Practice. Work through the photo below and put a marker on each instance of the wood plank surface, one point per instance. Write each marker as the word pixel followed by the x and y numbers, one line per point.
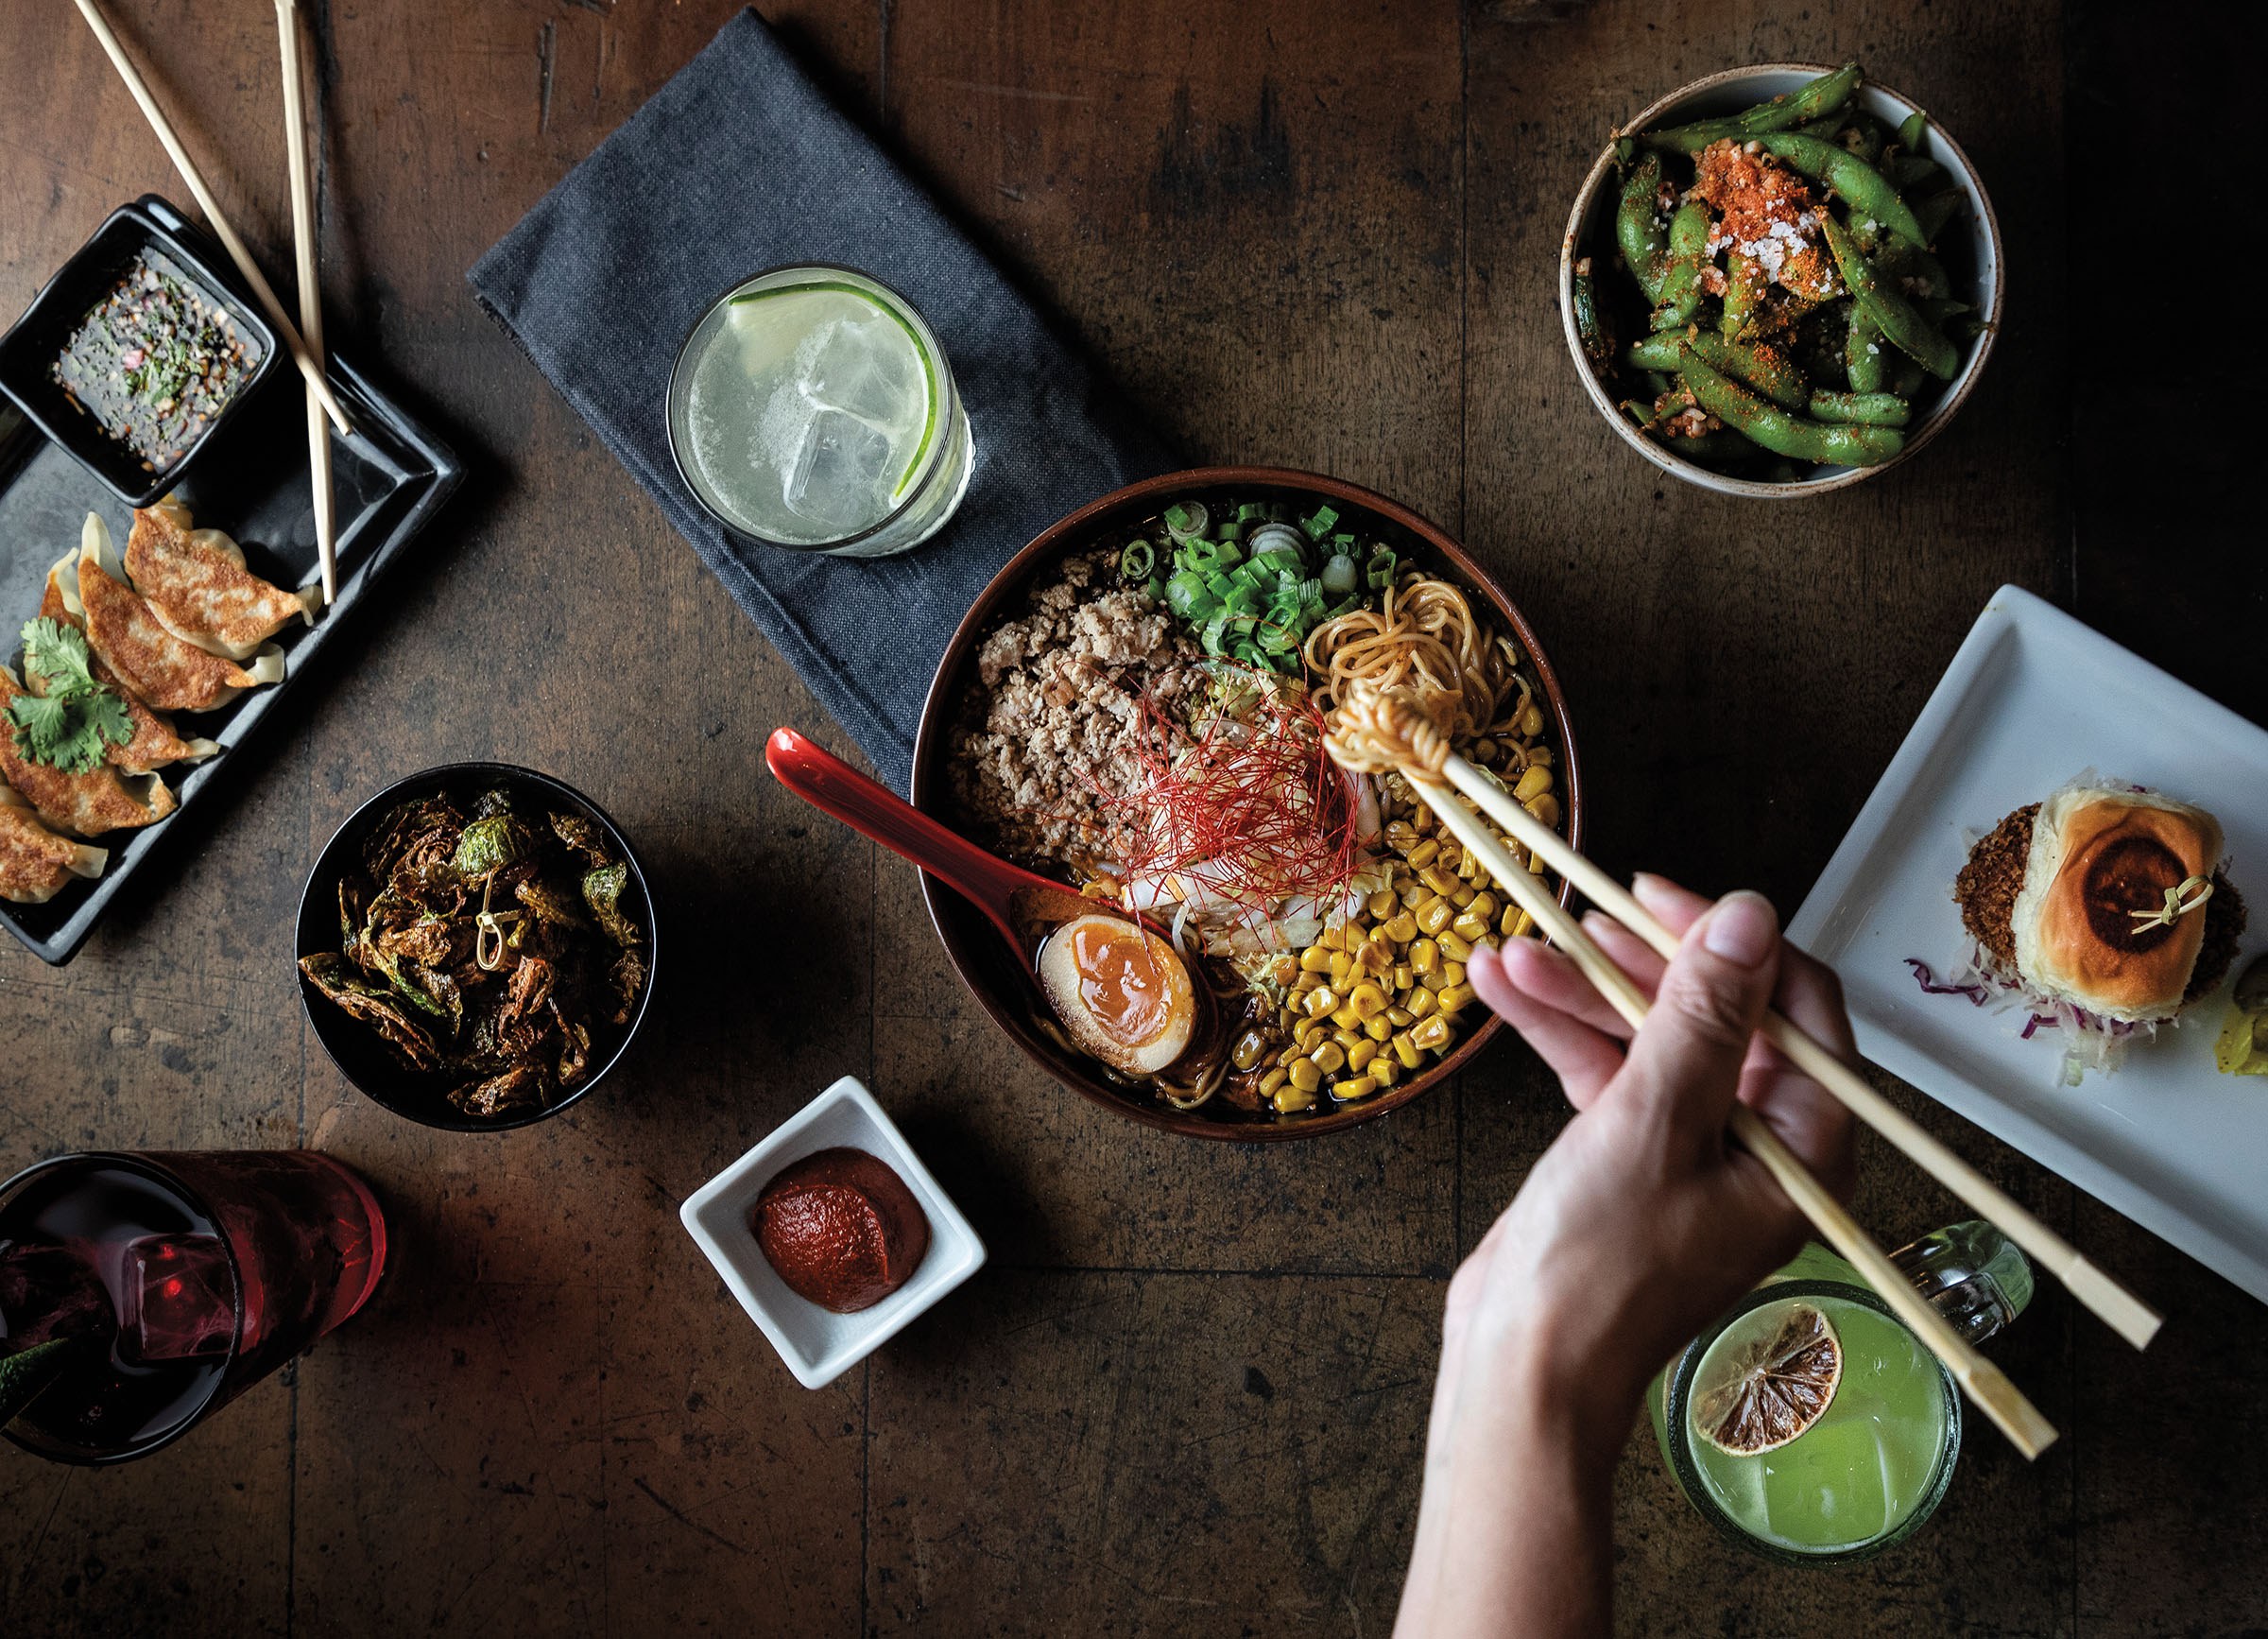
pixel 1188 1396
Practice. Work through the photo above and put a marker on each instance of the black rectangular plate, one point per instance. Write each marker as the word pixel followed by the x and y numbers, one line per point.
pixel 255 484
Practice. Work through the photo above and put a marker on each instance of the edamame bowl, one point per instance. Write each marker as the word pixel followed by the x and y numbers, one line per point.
pixel 1782 280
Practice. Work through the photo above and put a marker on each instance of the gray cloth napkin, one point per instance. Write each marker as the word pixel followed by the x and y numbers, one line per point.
pixel 740 163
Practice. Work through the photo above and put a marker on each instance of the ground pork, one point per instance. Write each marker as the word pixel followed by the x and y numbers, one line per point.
pixel 1050 729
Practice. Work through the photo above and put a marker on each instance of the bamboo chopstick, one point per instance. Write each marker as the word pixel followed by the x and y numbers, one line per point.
pixel 2125 1313
pixel 1986 1383
pixel 243 258
pixel 295 135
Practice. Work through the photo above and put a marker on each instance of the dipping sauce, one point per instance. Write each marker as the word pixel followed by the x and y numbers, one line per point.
pixel 155 361
pixel 841 1228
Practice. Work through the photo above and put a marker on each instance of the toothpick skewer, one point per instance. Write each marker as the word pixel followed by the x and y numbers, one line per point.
pixel 1985 1384
pixel 2119 1308
pixel 297 136
pixel 242 257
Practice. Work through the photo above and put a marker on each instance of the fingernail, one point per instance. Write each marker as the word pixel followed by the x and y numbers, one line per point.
pixel 1742 928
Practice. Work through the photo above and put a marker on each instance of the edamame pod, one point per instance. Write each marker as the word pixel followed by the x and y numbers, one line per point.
pixel 1766 368
pixel 1859 184
pixel 1912 129
pixel 1681 277
pixel 1907 171
pixel 1639 233
pixel 1745 283
pixel 1862 351
pixel 1823 96
pixel 1936 211
pixel 1598 345
pixel 1723 444
pixel 1906 328
pixel 1873 409
pixel 1784 434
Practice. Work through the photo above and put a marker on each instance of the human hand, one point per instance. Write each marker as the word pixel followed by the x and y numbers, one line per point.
pixel 1639 1224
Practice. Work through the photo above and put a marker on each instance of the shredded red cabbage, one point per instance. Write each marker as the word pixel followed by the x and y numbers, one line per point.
pixel 1977 994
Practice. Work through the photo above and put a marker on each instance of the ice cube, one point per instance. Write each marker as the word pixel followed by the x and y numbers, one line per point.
pixel 839 472
pixel 862 371
pixel 179 1298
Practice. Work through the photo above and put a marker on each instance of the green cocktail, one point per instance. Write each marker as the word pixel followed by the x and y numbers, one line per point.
pixel 1878 1417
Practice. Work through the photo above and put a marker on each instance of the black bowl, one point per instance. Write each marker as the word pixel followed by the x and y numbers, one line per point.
pixel 361 1056
pixel 33 341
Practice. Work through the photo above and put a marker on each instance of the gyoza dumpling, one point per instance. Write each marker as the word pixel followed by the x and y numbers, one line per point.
pixel 89 803
pixel 195 582
pixel 170 674
pixel 155 743
pixel 35 863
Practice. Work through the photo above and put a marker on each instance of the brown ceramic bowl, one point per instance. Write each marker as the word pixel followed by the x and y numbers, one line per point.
pixel 995 978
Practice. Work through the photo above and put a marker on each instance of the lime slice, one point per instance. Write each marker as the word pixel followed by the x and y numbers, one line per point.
pixel 863 305
pixel 1767 1378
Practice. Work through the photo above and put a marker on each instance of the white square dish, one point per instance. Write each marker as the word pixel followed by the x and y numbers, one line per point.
pixel 2032 698
pixel 818 1345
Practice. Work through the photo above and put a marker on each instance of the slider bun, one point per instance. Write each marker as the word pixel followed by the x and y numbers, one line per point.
pixel 2097 856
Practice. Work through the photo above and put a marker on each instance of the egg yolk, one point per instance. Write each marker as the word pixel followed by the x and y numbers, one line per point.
pixel 1125 987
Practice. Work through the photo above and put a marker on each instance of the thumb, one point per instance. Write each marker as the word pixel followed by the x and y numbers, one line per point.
pixel 1684 1068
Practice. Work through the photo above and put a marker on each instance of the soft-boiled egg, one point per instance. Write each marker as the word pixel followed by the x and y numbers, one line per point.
pixel 1120 990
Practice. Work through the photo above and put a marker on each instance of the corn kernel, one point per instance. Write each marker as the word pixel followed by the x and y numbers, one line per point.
pixel 1360 1087
pixel 1346 1018
pixel 1451 973
pixel 1342 966
pixel 1402 929
pixel 1484 907
pixel 1424 853
pixel 1470 867
pixel 1307 982
pixel 1360 1055
pixel 1278 1077
pixel 1414 893
pixel 1379 905
pixel 1399 1017
pixel 1315 959
pixel 1329 1058
pixel 1401 836
pixel 1509 925
pixel 1346 1037
pixel 1520 928
pixel 1385 1070
pixel 1322 1000
pixel 1378 959
pixel 1404 976
pixel 1465 893
pixel 1405 1051
pixel 1545 809
pixel 1542 757
pixel 1378 1029
pixel 1291 1100
pixel 1330 938
pixel 1440 881
pixel 1455 945
pixel 1284 969
pixel 1531 721
pixel 1421 1003
pixel 1469 925
pixel 1287 1020
pixel 1368 1001
pixel 1306 1074
pixel 1425 958
pixel 1250 1048
pixel 1484 751
pixel 1454 998
pixel 1533 784
pixel 1434 915
pixel 1430 1033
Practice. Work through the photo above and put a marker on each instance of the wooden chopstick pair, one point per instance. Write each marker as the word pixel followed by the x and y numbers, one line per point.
pixel 305 341
pixel 1393 729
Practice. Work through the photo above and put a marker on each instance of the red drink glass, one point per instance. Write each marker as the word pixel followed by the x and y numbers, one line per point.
pixel 202 1271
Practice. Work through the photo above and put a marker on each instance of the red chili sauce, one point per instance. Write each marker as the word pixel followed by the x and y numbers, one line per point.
pixel 841 1228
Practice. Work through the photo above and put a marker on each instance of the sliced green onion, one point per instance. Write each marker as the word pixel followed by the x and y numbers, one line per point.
pixel 1339 575
pixel 1137 560
pixel 1379 573
pixel 1319 524
pixel 1185 520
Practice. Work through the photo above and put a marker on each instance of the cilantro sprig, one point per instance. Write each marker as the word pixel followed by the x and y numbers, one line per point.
pixel 71 725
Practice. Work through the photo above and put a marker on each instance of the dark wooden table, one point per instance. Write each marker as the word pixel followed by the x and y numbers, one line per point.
pixel 1188 1395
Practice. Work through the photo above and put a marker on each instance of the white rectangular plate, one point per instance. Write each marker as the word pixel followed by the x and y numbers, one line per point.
pixel 2032 698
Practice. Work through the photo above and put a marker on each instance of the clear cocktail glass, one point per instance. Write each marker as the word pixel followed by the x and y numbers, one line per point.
pixel 812 408
pixel 182 1278
pixel 1875 1464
